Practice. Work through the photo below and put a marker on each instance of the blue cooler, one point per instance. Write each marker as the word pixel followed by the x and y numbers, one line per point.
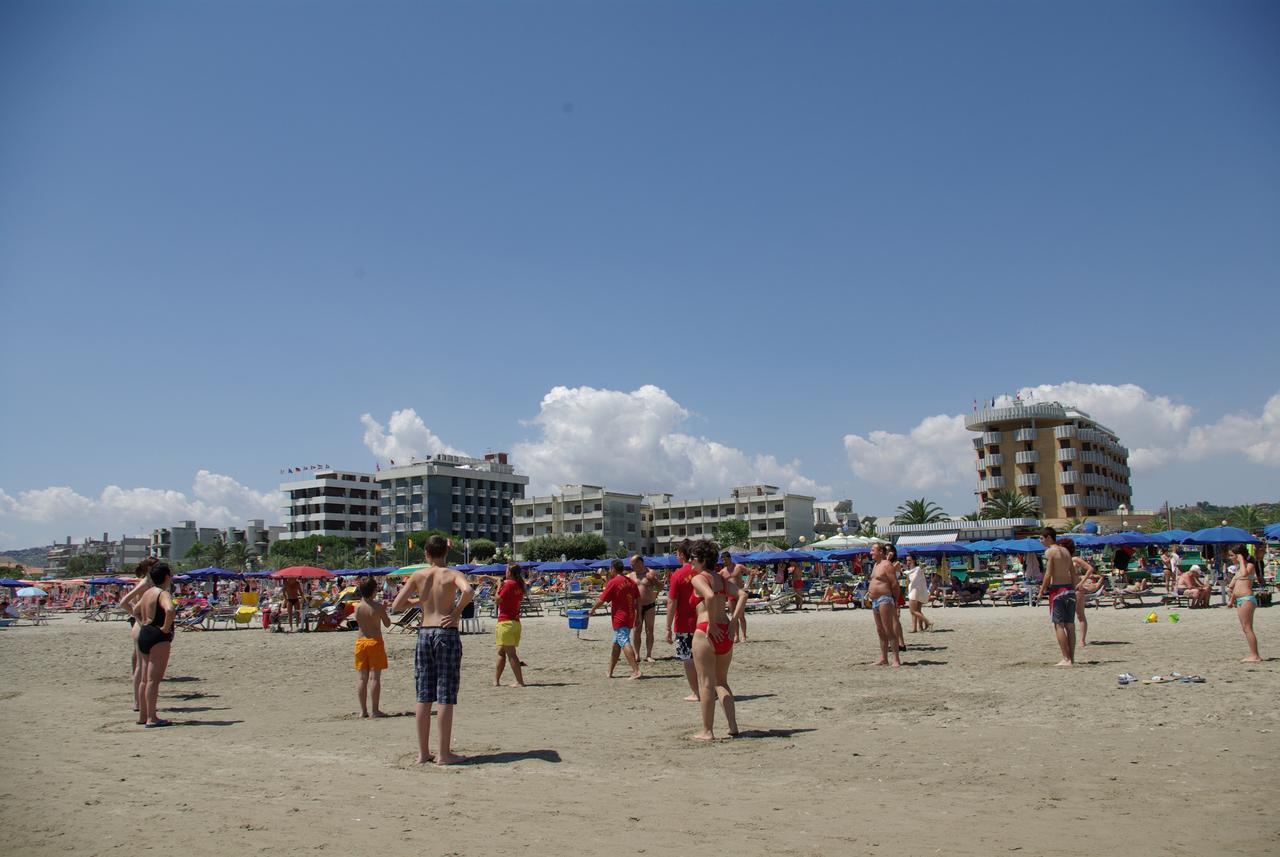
pixel 577 619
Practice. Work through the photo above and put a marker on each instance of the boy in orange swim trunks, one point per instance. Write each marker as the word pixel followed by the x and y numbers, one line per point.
pixel 371 652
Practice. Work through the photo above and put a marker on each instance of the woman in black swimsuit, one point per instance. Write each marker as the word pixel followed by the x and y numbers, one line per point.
pixel 128 604
pixel 155 614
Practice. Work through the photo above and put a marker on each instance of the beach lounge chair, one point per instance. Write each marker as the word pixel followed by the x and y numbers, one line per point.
pixel 97 614
pixel 194 622
pixel 247 611
pixel 408 621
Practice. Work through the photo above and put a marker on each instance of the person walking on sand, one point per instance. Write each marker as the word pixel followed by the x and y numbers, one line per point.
pixel 1060 581
pixel 682 618
pixel 155 612
pixel 797 585
pixel 442 593
pixel 370 650
pixel 622 594
pixel 917 594
pixel 741 578
pixel 1090 583
pixel 899 600
pixel 713 639
pixel 1248 573
pixel 883 591
pixel 647 582
pixel 509 597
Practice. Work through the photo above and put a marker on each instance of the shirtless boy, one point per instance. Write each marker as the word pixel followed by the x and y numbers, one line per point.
pixel 371 651
pixel 883 590
pixel 442 593
pixel 1060 580
pixel 648 582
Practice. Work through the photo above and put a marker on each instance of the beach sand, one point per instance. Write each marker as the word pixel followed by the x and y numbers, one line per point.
pixel 977 746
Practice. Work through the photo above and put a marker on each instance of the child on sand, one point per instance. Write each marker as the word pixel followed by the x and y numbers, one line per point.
pixel 371 651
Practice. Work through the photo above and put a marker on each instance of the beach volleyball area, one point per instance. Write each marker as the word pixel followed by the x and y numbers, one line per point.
pixel 975 746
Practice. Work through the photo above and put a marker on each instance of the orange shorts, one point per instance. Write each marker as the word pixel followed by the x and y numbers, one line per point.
pixel 371 654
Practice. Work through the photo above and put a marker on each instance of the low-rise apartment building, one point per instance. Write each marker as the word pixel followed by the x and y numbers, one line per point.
pixel 332 503
pixel 469 498
pixel 579 509
pixel 769 513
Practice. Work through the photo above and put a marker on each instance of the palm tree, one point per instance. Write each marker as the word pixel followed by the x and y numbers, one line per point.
pixel 196 554
pixel 1010 504
pixel 920 511
pixel 217 551
pixel 238 556
pixel 1246 518
pixel 867 527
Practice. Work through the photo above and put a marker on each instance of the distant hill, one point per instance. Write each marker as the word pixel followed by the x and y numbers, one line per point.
pixel 26 556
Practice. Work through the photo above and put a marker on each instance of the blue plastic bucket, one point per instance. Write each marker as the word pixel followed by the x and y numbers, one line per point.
pixel 577 619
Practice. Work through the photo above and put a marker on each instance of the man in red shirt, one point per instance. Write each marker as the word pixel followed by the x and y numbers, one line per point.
pixel 682 616
pixel 623 595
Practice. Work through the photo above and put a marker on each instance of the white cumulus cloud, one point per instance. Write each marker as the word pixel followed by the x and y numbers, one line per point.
pixel 631 441
pixel 405 437
pixel 935 454
pixel 42 515
pixel 1256 438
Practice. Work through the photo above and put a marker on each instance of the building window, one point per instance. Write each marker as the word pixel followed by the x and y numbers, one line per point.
pixel 598 507
pixel 631 528
pixel 777 507
pixel 577 528
pixel 528 531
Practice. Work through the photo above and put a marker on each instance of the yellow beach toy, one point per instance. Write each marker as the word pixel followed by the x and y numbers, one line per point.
pixel 1152 618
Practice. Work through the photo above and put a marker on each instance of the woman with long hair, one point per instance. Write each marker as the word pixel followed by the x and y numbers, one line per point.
pixel 155 614
pixel 1248 572
pixel 126 604
pixel 713 638
pixel 507 633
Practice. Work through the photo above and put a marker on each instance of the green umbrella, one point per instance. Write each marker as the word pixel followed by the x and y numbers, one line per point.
pixel 407 570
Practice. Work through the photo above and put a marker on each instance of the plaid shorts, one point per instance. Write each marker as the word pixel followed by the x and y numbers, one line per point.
pixel 437 665
pixel 684 646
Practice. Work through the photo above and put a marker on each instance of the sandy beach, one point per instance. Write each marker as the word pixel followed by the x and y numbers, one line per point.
pixel 976 746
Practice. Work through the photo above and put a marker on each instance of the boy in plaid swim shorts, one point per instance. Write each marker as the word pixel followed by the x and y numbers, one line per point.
pixel 623 595
pixel 442 593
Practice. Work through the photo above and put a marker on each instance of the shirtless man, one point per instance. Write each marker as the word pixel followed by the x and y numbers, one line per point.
pixel 293 599
pixel 648 582
pixel 370 650
pixel 883 591
pixel 1061 580
pixel 442 593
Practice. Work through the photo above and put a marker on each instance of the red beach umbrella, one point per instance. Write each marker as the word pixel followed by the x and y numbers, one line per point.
pixel 302 572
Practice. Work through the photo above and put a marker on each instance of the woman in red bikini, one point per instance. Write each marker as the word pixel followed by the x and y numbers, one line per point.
pixel 713 640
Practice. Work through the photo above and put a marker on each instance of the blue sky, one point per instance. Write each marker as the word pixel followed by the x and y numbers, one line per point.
pixel 229 230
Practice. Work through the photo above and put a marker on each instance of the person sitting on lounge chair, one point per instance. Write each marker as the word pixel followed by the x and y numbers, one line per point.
pixel 1193 587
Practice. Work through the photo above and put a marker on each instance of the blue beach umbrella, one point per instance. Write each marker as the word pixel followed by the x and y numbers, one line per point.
pixel 12 584
pixel 662 562
pixel 1172 536
pixel 256 575
pixel 1222 536
pixel 491 568
pixel 1027 545
pixel 31 592
pixel 849 553
pixel 213 573
pixel 567 566
pixel 1271 531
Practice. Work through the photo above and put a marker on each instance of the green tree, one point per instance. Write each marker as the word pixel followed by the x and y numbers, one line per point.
pixel 196 555
pixel 482 550
pixel 732 531
pixel 1010 504
pixel 87 565
pixel 779 542
pixel 1246 517
pixel 844 507
pixel 238 556
pixel 920 511
pixel 334 551
pixel 217 553
pixel 579 546
pixel 867 527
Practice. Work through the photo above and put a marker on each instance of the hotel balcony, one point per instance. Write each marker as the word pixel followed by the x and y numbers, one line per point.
pixel 1073 499
pixel 991 483
pixel 1028 479
pixel 1068 454
pixel 1067 477
pixel 991 437
pixel 1025 434
pixel 1064 432
pixel 993 460
pixel 1026 457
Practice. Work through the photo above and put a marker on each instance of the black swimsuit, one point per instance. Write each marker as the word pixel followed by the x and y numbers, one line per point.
pixel 150 634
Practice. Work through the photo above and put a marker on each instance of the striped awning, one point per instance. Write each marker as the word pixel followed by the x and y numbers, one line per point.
pixel 936 539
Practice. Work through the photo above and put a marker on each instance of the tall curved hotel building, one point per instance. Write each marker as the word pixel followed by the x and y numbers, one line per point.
pixel 1073 466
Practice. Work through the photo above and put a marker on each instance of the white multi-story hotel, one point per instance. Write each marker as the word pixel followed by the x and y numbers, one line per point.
pixel 332 503
pixel 769 513
pixel 577 510
pixel 469 498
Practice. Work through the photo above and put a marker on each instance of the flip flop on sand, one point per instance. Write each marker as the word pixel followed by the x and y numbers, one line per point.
pixel 158 724
pixel 1159 679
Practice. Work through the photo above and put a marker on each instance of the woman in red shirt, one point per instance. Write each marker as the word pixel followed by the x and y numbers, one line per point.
pixel 509 596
